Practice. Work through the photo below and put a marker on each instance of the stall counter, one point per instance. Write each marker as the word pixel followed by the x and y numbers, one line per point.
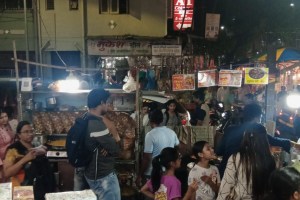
pixel 77 195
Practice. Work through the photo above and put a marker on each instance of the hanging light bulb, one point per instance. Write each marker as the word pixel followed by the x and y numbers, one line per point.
pixel 71 84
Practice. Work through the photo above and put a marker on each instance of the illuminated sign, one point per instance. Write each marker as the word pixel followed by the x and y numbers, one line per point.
pixel 183 14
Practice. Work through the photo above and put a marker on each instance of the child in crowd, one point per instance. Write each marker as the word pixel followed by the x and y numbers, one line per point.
pixel 172 115
pixel 207 176
pixel 163 184
pixel 285 184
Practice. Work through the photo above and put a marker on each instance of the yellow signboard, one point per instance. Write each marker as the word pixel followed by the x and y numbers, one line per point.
pixel 256 76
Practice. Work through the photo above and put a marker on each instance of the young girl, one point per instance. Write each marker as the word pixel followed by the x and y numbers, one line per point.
pixel 171 116
pixel 207 176
pixel 163 183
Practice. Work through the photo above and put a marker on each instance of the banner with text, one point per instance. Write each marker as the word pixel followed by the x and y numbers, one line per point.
pixel 107 47
pixel 212 26
pixel 181 82
pixel 183 14
pixel 166 50
pixel 231 78
pixel 207 78
pixel 256 76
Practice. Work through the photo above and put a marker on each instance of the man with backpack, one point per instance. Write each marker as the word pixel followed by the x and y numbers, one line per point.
pixel 101 140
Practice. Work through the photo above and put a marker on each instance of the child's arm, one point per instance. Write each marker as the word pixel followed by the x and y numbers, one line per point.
pixel 146 191
pixel 190 194
pixel 208 180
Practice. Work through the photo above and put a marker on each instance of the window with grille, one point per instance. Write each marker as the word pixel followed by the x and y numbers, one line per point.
pixel 49 4
pixel 113 6
pixel 14 4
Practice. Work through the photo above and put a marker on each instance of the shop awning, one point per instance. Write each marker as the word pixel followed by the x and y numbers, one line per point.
pixel 283 55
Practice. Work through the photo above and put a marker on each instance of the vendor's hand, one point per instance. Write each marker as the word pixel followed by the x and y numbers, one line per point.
pixel 296 146
pixel 29 156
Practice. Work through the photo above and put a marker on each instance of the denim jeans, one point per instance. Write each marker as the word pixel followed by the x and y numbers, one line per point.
pixel 106 188
pixel 79 180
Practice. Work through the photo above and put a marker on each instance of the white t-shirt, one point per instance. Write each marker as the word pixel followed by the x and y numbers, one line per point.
pixel 156 140
pixel 204 191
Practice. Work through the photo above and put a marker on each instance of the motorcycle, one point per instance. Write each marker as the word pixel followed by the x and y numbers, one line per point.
pixel 216 110
pixel 285 122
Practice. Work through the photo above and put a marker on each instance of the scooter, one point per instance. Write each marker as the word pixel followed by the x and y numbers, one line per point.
pixel 285 125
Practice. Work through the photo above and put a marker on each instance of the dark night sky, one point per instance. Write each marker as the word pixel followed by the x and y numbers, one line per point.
pixel 249 26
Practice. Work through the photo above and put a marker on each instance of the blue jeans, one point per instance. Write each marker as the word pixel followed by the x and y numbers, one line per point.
pixel 79 180
pixel 106 188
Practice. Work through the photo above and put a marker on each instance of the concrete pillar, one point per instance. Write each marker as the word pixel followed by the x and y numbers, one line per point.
pixel 270 100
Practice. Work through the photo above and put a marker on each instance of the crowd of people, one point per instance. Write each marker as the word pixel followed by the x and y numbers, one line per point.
pixel 247 170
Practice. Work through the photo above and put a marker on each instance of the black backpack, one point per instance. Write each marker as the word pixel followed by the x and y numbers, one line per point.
pixel 78 154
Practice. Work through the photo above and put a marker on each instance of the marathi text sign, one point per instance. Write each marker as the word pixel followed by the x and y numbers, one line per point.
pixel 256 76
pixel 183 14
pixel 182 82
pixel 108 47
pixel 207 78
pixel 231 78
pixel 166 50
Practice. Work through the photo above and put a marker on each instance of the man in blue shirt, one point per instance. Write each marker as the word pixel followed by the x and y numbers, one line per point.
pixel 156 140
pixel 233 136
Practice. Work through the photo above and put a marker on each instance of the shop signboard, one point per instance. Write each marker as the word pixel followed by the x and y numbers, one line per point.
pixel 166 50
pixel 207 78
pixel 231 78
pixel 181 82
pixel 256 76
pixel 212 26
pixel 183 14
pixel 110 47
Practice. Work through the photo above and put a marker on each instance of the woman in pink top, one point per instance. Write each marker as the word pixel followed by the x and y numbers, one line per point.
pixel 6 137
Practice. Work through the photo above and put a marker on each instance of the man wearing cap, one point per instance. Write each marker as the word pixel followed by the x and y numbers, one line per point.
pixel 102 134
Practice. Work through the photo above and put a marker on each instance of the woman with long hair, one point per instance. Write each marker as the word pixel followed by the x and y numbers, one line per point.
pixel 247 171
pixel 171 115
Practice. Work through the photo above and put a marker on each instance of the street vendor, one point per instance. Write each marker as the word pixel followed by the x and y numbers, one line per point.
pixel 28 166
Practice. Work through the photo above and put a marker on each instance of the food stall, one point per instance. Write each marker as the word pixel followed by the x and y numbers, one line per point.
pixel 53 111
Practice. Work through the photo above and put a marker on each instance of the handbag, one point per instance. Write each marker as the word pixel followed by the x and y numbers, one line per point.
pixel 232 194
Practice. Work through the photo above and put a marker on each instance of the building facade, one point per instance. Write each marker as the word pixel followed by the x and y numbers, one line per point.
pixel 59 32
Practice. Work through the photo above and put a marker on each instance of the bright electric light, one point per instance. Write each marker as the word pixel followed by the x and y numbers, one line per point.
pixel 292 4
pixel 222 27
pixel 68 85
pixel 293 101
